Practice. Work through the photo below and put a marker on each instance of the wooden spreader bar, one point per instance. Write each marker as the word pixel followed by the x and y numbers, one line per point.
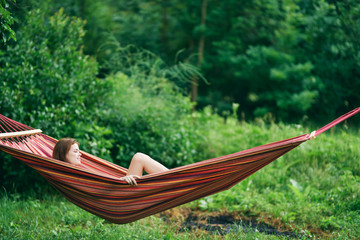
pixel 20 133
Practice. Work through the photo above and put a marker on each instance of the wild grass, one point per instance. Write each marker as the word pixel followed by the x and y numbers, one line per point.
pixel 55 218
pixel 312 190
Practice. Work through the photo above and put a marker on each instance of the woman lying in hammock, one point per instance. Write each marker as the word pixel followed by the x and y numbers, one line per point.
pixel 67 150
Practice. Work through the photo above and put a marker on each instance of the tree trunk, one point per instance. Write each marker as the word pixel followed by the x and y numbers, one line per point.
pixel 164 27
pixel 194 86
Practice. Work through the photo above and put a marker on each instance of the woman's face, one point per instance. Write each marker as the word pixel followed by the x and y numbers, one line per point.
pixel 73 156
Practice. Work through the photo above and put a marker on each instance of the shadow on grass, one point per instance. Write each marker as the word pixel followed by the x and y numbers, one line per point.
pixel 221 223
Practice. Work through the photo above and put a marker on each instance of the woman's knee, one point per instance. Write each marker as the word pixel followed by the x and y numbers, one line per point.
pixel 140 156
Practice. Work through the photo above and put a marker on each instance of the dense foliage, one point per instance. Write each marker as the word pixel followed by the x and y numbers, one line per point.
pixel 48 82
pixel 6 20
pixel 293 60
pixel 45 78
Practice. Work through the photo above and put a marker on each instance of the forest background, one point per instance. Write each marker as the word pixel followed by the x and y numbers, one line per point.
pixel 170 77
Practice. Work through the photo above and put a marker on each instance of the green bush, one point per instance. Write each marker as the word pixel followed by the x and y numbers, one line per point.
pixel 45 79
pixel 47 82
pixel 145 111
pixel 151 118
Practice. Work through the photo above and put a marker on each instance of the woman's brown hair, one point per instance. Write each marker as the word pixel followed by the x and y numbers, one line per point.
pixel 62 147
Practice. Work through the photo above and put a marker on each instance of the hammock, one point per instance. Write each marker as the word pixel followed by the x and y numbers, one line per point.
pixel 96 186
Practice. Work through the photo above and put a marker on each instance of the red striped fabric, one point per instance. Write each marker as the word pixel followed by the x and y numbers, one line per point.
pixel 96 187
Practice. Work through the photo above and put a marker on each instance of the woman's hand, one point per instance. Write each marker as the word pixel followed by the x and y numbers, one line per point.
pixel 130 179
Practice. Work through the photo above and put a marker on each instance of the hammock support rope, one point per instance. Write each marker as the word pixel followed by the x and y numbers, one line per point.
pixel 96 187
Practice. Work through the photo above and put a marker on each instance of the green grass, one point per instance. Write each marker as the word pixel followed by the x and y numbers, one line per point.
pixel 55 218
pixel 314 190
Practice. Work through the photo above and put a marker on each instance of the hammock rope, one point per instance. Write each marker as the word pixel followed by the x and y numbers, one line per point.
pixel 96 186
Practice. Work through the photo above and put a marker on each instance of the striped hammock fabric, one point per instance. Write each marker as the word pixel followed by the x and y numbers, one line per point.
pixel 96 187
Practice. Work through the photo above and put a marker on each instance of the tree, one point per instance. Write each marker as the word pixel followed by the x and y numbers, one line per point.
pixel 47 68
pixel 332 45
pixel 306 51
pixel 6 20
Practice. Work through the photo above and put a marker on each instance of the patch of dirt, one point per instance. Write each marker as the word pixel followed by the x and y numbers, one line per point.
pixel 220 222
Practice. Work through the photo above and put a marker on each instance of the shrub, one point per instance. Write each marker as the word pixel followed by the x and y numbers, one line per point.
pixel 153 119
pixel 47 82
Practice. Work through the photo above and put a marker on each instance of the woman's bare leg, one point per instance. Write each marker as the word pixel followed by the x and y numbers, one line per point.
pixel 142 162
